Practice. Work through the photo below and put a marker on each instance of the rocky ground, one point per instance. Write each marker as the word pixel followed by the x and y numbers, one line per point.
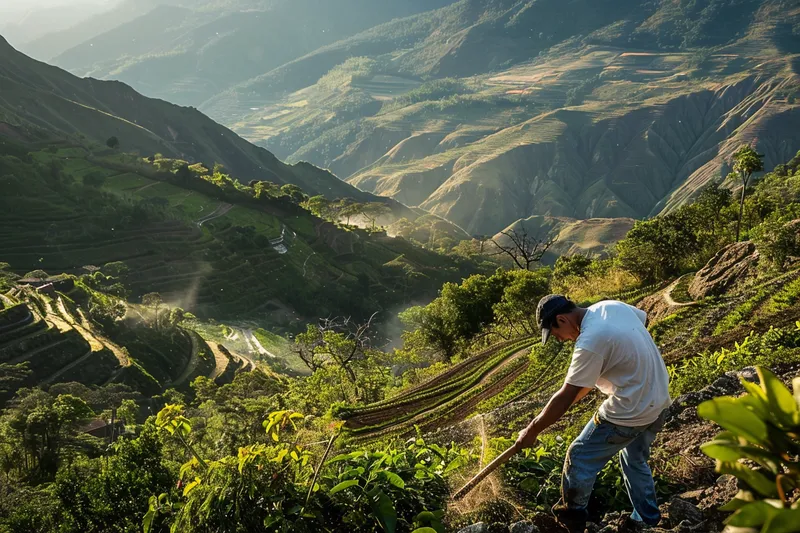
pixel 695 510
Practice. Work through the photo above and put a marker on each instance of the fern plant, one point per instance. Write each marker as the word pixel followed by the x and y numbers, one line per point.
pixel 762 430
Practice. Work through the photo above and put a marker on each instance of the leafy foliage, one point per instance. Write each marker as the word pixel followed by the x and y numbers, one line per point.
pixel 761 428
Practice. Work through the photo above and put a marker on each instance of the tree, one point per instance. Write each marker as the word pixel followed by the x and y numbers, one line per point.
pixel 372 211
pixel 517 309
pixel 153 300
pixel 294 192
pixel 112 143
pixel 524 249
pixel 658 248
pixel 746 161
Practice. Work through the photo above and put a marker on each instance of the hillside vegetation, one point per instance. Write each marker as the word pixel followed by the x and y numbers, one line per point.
pixel 376 439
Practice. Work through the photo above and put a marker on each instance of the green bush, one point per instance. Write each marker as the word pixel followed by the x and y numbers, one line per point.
pixel 763 429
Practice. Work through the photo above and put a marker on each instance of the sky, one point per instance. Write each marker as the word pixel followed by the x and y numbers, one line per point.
pixel 21 6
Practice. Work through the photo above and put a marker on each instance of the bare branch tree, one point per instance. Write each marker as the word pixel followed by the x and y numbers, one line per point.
pixel 524 249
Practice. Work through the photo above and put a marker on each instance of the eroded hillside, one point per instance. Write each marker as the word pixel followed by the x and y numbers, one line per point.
pixel 483 114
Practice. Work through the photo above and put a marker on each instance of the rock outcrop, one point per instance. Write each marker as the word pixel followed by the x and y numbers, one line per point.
pixel 728 267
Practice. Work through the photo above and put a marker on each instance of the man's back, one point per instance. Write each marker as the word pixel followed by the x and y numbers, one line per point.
pixel 615 352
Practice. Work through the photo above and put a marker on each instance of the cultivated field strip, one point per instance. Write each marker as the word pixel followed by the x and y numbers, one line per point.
pixel 444 398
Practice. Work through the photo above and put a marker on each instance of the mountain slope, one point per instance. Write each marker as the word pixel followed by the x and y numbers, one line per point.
pixel 39 97
pixel 621 109
pixel 187 54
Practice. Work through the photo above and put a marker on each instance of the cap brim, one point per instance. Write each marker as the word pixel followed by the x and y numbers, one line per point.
pixel 545 335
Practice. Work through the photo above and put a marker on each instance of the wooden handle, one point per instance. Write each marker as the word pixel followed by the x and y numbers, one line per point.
pixel 488 469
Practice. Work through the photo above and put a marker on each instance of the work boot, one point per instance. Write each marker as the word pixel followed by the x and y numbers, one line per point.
pixel 573 520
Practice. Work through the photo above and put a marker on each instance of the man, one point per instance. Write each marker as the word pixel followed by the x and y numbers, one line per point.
pixel 615 353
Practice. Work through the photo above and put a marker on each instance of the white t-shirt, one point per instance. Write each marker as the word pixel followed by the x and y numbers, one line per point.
pixel 616 353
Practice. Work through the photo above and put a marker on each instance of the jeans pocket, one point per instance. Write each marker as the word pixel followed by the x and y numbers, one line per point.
pixel 621 434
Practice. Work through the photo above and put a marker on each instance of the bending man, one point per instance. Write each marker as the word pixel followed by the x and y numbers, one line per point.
pixel 615 353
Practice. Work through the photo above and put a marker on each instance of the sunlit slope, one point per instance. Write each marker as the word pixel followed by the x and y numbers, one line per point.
pixel 625 118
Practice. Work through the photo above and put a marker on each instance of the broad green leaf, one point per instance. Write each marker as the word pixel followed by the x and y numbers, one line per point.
pixel 784 521
pixel 424 530
pixel 736 417
pixel 727 451
pixel 780 399
pixel 383 509
pixel 394 479
pixel 796 388
pixel 752 515
pixel 741 499
pixel 343 485
pixel 455 464
pixel 755 480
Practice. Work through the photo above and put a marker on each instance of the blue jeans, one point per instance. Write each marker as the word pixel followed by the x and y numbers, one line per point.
pixel 599 441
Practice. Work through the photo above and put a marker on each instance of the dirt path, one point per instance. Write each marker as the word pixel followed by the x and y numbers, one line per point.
pixel 194 360
pixel 222 361
pixel 248 333
pixel 121 356
pixel 668 294
pixel 96 345
pixel 221 210
pixel 62 325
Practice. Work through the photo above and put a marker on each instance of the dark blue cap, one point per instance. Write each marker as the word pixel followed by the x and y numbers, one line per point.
pixel 548 309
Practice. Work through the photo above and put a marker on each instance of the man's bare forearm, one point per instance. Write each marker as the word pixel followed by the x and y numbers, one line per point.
pixel 558 405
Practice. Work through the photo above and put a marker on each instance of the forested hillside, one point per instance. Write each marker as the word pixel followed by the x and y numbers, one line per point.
pixel 374 438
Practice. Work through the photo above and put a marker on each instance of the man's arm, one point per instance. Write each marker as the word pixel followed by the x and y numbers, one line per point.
pixel 555 409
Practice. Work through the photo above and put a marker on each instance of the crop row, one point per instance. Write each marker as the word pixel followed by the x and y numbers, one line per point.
pixel 435 384
pixel 451 410
pixel 439 397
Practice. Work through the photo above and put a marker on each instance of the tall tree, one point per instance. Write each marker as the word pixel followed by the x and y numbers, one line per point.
pixel 746 161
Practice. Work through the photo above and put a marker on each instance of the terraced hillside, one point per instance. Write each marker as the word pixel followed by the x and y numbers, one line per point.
pixel 449 397
pixel 213 253
pixel 53 336
pixel 622 111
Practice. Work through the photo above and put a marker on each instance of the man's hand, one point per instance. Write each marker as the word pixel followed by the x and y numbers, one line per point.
pixel 527 438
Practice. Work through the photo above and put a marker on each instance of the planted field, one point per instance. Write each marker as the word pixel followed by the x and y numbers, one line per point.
pixel 449 396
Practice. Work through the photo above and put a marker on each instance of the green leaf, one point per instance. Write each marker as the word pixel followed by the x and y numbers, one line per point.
pixel 780 399
pixel 784 521
pixel 755 480
pixel 343 485
pixel 727 451
pixel 796 387
pixel 383 510
pixel 736 417
pixel 394 479
pixel 752 515
pixel 455 464
pixel 424 530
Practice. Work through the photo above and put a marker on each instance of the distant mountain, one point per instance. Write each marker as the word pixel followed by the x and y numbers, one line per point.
pixel 187 52
pixel 486 112
pixel 23 27
pixel 54 42
pixel 38 99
